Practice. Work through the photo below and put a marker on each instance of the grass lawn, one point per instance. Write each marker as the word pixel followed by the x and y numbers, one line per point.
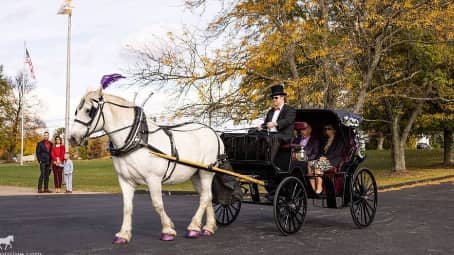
pixel 98 175
pixel 421 164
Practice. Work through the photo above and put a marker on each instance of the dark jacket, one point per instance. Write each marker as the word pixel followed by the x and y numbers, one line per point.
pixel 335 153
pixel 285 121
pixel 312 148
pixel 42 154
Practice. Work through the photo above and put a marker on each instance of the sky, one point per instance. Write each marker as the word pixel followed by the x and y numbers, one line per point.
pixel 101 31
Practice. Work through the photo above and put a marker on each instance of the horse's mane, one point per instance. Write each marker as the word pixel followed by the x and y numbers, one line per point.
pixel 110 98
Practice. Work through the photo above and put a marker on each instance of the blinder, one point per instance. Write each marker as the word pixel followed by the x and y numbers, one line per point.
pixel 92 112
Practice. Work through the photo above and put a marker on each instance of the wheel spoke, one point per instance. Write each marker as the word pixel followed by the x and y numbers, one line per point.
pixel 369 188
pixel 300 221
pixel 360 180
pixel 292 220
pixel 356 209
pixel 369 206
pixel 286 222
pixel 363 181
pixel 363 213
pixel 218 207
pixel 230 211
pixel 294 190
pixel 223 215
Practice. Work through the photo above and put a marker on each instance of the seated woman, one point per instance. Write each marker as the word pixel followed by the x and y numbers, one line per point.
pixel 331 156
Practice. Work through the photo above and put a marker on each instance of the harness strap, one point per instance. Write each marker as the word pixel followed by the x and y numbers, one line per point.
pixel 138 134
pixel 174 152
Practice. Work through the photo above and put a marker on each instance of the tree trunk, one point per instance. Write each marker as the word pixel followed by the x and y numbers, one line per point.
pixel 380 141
pixel 399 139
pixel 398 148
pixel 13 135
pixel 448 158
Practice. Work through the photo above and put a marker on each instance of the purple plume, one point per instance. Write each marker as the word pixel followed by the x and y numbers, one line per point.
pixel 107 79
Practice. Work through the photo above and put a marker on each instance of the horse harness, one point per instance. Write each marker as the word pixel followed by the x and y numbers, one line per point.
pixel 138 134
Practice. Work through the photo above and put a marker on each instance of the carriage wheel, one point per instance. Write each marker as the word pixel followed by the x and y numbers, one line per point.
pixel 290 205
pixel 226 213
pixel 363 198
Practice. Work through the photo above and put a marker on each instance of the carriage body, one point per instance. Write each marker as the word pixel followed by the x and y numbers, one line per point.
pixel 249 154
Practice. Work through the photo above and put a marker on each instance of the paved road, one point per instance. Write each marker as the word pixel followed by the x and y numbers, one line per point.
pixel 411 221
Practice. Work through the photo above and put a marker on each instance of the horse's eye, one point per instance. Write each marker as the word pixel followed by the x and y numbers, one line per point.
pixel 87 111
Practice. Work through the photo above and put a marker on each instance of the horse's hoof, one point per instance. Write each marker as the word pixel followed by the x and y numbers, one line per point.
pixel 193 234
pixel 167 237
pixel 119 240
pixel 206 233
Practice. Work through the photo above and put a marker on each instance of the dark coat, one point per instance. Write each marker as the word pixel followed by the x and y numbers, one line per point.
pixel 335 153
pixel 285 121
pixel 312 148
pixel 42 154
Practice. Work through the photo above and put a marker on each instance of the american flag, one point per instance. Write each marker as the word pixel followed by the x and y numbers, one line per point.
pixel 28 60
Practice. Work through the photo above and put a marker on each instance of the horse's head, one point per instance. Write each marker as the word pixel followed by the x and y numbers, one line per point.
pixel 87 118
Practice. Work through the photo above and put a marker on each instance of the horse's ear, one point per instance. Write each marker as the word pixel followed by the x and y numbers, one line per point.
pixel 99 92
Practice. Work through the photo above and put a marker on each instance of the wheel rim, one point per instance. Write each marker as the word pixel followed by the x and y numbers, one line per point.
pixel 227 213
pixel 290 205
pixel 363 205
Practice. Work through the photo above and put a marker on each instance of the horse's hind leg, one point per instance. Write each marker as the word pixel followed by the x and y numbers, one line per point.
pixel 168 232
pixel 127 189
pixel 202 184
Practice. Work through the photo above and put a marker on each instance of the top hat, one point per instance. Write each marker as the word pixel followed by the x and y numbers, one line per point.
pixel 277 90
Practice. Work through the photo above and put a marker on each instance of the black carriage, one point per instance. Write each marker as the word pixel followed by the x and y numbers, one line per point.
pixel 286 182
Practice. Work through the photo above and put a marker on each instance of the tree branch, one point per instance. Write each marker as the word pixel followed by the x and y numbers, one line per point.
pixel 395 83
pixel 385 121
pixel 422 98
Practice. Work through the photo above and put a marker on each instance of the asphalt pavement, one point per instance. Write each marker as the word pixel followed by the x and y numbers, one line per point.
pixel 411 221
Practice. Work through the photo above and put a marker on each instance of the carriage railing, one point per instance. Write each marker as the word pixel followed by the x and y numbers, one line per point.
pixel 248 147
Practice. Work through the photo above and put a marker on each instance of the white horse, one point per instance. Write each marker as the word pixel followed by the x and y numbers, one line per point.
pixel 7 241
pixel 98 111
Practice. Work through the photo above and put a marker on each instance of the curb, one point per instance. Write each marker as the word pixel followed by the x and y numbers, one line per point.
pixel 193 193
pixel 168 192
pixel 398 185
pixel 380 188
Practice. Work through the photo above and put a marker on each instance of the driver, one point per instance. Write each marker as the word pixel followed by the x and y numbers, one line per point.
pixel 279 120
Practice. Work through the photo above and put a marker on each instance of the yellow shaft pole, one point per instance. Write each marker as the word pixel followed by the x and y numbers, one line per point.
pixel 216 169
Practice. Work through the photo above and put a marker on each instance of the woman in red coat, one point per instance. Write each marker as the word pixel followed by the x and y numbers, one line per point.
pixel 58 156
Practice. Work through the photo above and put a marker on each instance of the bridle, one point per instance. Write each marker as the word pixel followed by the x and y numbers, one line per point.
pixel 93 112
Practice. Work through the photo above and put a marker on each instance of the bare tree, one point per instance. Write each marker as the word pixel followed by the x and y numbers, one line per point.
pixel 21 99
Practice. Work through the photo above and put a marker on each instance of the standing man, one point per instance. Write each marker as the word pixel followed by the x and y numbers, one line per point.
pixel 279 120
pixel 43 149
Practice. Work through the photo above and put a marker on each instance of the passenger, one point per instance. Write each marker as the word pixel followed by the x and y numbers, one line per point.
pixel 307 142
pixel 331 156
pixel 279 120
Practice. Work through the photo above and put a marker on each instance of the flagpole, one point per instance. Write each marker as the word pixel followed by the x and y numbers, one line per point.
pixel 22 109
pixel 68 68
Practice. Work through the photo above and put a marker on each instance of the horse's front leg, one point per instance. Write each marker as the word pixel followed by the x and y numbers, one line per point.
pixel 125 234
pixel 203 186
pixel 168 232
